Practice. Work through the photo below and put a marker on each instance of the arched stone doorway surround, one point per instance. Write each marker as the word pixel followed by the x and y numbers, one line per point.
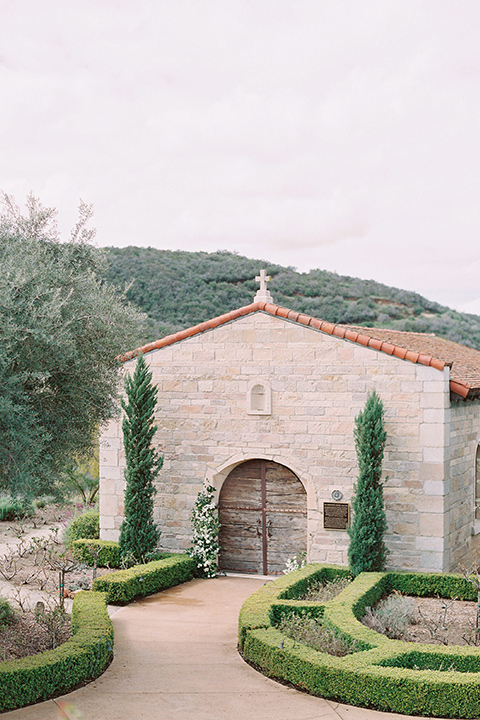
pixel 274 464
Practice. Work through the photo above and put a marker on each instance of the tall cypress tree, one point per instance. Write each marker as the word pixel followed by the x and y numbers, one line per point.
pixel 139 535
pixel 367 550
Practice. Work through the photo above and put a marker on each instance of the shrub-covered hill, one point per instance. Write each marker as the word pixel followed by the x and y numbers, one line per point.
pixel 177 289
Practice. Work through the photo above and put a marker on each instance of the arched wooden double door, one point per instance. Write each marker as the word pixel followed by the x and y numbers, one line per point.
pixel 263 518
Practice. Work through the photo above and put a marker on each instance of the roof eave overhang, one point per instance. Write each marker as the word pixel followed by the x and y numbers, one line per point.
pixel 464 390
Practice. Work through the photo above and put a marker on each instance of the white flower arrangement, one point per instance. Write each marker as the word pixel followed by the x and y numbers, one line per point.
pixel 206 528
pixel 296 562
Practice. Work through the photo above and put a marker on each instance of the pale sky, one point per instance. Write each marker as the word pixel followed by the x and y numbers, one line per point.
pixel 333 134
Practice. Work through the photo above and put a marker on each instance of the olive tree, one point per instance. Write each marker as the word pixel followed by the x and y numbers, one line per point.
pixel 61 332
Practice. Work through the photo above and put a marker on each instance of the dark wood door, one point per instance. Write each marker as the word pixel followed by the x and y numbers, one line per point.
pixel 263 517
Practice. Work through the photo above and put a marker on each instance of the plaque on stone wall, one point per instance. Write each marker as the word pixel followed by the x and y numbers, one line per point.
pixel 335 515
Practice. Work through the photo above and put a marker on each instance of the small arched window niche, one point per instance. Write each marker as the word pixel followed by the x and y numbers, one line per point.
pixel 259 398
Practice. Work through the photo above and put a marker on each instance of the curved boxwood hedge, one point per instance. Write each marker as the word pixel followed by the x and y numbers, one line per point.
pixel 125 585
pixel 54 672
pixel 385 674
pixel 85 656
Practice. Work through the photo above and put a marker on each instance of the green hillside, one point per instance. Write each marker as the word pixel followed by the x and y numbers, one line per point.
pixel 177 289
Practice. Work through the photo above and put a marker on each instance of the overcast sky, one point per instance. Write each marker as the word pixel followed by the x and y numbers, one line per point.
pixel 335 134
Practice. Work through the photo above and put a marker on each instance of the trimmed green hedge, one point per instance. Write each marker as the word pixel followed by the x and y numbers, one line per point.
pixel 385 674
pixel 86 525
pixel 84 657
pixel 125 585
pixel 109 555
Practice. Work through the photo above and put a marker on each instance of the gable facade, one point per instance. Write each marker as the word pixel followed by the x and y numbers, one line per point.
pixel 263 386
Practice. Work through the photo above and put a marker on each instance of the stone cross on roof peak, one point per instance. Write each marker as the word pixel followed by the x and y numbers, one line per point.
pixel 263 295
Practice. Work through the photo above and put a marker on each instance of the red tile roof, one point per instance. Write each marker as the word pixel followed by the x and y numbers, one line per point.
pixel 430 350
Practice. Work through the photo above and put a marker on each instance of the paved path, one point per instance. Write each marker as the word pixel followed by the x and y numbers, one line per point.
pixel 176 657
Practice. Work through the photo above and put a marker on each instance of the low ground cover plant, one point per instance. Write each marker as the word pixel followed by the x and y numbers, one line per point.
pixel 324 590
pixel 392 616
pixel 6 612
pixel 15 507
pixel 317 634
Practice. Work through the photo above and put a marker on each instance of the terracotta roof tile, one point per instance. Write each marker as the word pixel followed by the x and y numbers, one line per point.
pixel 316 323
pixel 327 327
pixel 429 350
pixel 362 339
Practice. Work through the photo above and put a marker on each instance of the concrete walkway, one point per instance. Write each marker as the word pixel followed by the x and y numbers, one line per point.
pixel 176 657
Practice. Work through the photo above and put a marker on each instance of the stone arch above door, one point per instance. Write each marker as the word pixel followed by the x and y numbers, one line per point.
pixel 216 477
pixel 263 517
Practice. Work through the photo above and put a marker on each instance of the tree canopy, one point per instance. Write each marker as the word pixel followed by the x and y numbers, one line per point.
pixel 61 330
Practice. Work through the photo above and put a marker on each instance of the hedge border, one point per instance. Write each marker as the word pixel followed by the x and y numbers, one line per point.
pixel 372 676
pixel 86 655
pixel 124 586
pixel 82 658
pixel 109 554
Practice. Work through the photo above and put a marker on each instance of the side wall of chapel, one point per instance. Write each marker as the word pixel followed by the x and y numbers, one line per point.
pixel 463 530
pixel 318 384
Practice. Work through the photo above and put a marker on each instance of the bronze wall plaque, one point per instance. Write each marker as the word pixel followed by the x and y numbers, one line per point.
pixel 336 515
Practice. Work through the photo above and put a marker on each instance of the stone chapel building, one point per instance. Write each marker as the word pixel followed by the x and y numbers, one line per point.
pixel 260 402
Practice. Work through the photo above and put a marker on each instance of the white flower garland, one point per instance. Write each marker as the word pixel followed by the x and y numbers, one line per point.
pixel 206 528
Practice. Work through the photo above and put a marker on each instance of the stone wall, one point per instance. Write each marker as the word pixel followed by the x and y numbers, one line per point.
pixel 464 438
pixel 318 384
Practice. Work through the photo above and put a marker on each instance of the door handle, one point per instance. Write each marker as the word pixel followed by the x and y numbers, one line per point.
pixel 269 528
pixel 259 528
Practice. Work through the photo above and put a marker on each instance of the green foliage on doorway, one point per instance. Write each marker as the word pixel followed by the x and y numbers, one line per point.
pixel 138 534
pixel 367 551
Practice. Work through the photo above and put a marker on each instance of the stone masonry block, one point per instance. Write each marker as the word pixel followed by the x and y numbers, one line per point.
pixel 431 525
pixel 434 401
pixel 430 544
pixel 431 471
pixel 108 457
pixel 432 561
pixel 436 416
pixel 432 435
pixel 108 504
pixel 434 487
pixel 433 454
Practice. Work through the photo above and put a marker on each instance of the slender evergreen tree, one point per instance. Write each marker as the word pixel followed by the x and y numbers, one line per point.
pixel 367 551
pixel 139 535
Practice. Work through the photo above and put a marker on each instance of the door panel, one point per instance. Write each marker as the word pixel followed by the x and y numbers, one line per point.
pixel 241 546
pixel 287 536
pixel 240 514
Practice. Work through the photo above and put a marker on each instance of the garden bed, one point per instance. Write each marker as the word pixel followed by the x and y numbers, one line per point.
pixel 32 632
pixel 381 673
pixel 425 620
